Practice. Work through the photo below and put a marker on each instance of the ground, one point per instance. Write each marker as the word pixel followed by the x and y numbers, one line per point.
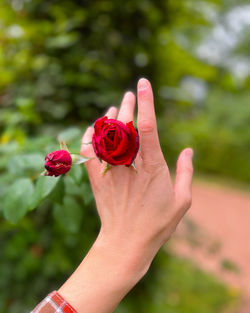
pixel 215 235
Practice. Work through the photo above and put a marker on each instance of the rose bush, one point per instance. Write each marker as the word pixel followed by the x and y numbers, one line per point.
pixel 115 142
pixel 58 162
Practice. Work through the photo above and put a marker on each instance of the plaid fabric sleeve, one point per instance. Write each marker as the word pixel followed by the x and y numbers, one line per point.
pixel 54 303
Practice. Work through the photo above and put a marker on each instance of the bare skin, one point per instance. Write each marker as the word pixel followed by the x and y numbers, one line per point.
pixel 138 211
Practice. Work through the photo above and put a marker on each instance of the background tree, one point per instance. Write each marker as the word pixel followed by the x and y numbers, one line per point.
pixel 62 64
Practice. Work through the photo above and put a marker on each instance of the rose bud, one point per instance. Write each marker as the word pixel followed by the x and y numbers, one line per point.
pixel 58 162
pixel 115 142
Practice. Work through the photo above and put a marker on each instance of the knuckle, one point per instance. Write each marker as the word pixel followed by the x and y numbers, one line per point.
pixel 146 126
pixel 185 170
pixel 154 166
pixel 189 170
pixel 186 201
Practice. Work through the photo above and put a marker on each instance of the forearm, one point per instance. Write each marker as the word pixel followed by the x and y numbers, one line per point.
pixel 103 278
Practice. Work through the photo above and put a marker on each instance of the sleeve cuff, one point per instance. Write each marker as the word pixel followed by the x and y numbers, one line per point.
pixel 53 303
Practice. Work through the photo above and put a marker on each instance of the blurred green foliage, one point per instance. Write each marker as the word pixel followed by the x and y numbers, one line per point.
pixel 62 64
pixel 219 134
pixel 177 286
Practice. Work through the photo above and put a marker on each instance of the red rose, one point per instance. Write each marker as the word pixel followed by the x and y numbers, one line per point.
pixel 58 162
pixel 115 142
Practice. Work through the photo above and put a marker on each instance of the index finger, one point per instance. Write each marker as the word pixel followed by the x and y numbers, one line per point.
pixel 146 122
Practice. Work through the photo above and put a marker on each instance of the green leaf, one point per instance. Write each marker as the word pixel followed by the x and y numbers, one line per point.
pixel 16 200
pixel 24 103
pixel 69 134
pixel 44 186
pixel 62 40
pixel 69 215
pixel 58 192
pixel 76 173
pixel 87 193
pixel 71 187
pixel 21 164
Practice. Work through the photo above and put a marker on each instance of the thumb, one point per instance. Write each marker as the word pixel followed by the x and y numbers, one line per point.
pixel 183 180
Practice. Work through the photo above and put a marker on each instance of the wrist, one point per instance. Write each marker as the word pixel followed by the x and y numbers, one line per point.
pixel 108 272
pixel 129 258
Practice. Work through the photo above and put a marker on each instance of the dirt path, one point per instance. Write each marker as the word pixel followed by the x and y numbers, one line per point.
pixel 216 235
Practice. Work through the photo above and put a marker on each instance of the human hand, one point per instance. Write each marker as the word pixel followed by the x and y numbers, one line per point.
pixel 138 211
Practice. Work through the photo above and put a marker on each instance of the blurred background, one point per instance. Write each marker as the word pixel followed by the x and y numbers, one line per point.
pixel 62 64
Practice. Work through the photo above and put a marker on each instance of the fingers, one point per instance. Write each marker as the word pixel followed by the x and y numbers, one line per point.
pixel 149 141
pixel 126 113
pixel 112 112
pixel 86 146
pixel 183 180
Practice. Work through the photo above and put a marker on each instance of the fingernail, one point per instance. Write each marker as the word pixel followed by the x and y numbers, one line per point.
pixel 189 152
pixel 143 83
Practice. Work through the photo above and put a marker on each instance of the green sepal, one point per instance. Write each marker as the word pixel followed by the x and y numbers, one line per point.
pixel 107 168
pixel 78 159
pixel 133 165
pixel 63 145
